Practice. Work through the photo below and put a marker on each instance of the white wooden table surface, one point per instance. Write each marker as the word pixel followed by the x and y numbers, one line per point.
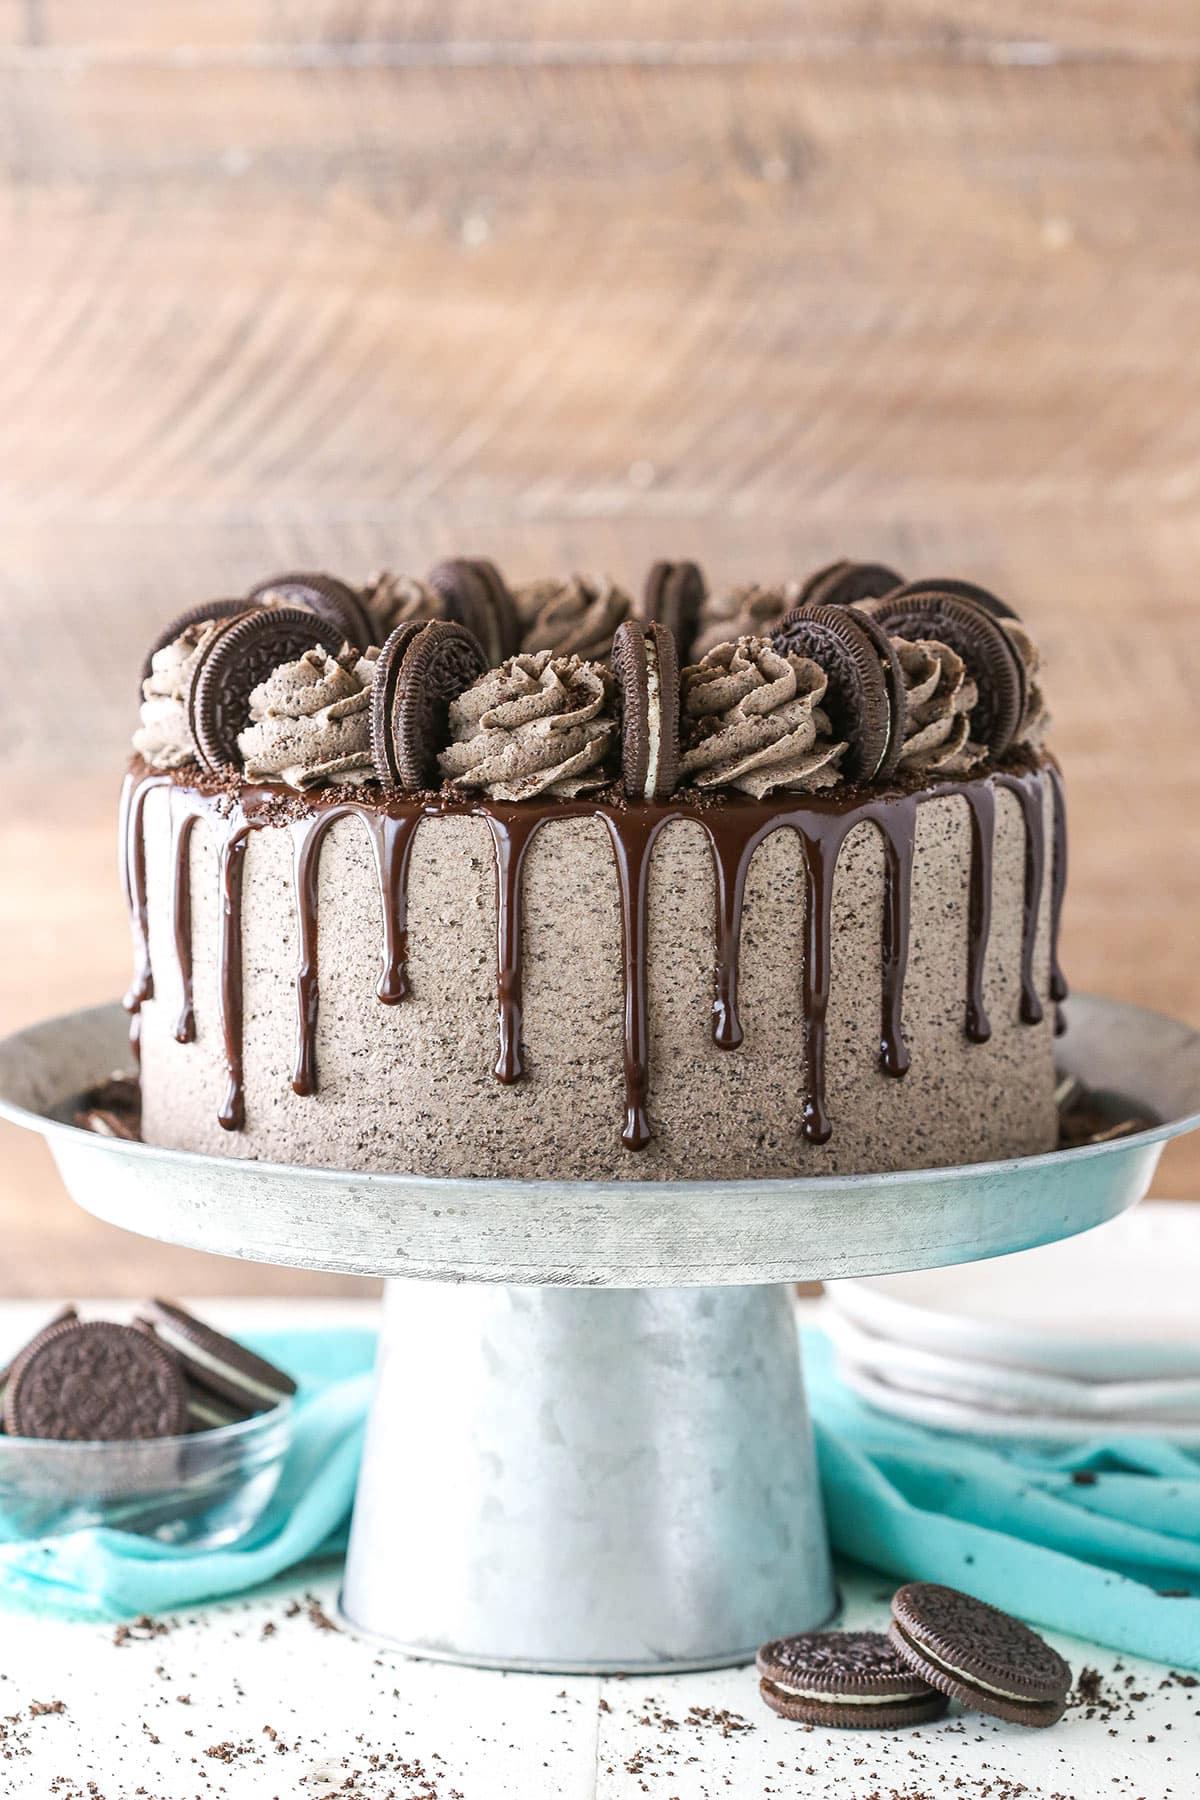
pixel 265 1697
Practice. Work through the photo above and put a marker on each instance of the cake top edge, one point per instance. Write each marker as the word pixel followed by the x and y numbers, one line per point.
pixel 851 681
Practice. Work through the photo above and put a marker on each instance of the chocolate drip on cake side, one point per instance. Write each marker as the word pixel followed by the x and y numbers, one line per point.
pixel 1030 792
pixel 734 833
pixel 1058 887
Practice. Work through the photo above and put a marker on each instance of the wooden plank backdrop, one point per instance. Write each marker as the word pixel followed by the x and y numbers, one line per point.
pixel 579 284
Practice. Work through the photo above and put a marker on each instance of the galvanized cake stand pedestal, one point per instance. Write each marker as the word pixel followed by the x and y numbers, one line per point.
pixel 589 1447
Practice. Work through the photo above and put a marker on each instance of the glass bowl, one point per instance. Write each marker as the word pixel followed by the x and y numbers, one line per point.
pixel 196 1492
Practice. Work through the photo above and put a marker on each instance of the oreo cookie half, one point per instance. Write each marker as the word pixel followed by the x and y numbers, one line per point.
pixel 216 1363
pixel 94 1381
pixel 475 594
pixel 195 615
pixel 842 583
pixel 674 596
pixel 844 1678
pixel 326 596
pixel 979 1655
pixel 969 629
pixel 243 654
pixel 420 670
pixel 858 698
pixel 646 665
pixel 963 590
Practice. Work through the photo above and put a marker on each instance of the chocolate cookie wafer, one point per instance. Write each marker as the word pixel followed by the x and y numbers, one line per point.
pixel 674 596
pixel 842 583
pixel 646 665
pixel 420 670
pixel 240 656
pixel 475 595
pixel 844 1678
pixel 979 1655
pixel 324 595
pixel 94 1381
pixel 968 628
pixel 953 584
pixel 215 1363
pixel 859 697
pixel 64 1315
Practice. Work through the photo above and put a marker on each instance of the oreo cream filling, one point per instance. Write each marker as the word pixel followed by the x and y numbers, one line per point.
pixel 834 1697
pixel 653 719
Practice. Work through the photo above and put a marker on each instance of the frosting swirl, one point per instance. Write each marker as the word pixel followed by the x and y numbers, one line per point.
pixel 392 600
pixel 575 617
pixel 752 720
pixel 311 721
pixel 1035 721
pixel 940 695
pixel 163 739
pixel 539 724
pixel 747 611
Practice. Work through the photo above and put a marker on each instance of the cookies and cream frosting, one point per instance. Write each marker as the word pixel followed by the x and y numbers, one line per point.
pixel 1035 721
pixel 163 739
pixel 393 600
pixel 751 610
pixel 939 697
pixel 752 720
pixel 310 722
pixel 572 617
pixel 539 724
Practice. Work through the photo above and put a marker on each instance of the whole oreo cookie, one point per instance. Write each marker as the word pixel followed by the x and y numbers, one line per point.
pixel 326 596
pixel 844 1678
pixel 646 665
pixel 969 629
pixel 94 1381
pixel 979 1655
pixel 858 698
pixel 475 594
pixel 420 670
pixel 963 590
pixel 674 596
pixel 211 611
pixel 242 655
pixel 217 1363
pixel 842 583
pixel 893 678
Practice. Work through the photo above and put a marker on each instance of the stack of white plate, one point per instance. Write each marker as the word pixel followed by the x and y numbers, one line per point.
pixel 1094 1336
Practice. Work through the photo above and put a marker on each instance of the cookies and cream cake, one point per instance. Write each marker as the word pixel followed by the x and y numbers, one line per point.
pixel 439 876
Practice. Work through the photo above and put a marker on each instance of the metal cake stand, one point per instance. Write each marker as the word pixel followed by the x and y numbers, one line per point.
pixel 589 1447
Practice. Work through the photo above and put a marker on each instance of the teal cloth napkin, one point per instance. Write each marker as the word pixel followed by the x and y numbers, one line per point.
pixel 105 1574
pixel 1115 1561
pixel 1005 1521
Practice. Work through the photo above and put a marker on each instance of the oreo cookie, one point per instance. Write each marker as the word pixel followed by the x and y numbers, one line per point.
pixel 240 656
pixel 475 594
pixel 420 670
pixel 970 629
pixel 646 665
pixel 844 1678
pixel 674 596
pixel 326 596
pixel 860 696
pixel 217 1364
pixel 63 1317
pixel 979 1655
pixel 963 590
pixel 210 612
pixel 95 1381
pixel 843 583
